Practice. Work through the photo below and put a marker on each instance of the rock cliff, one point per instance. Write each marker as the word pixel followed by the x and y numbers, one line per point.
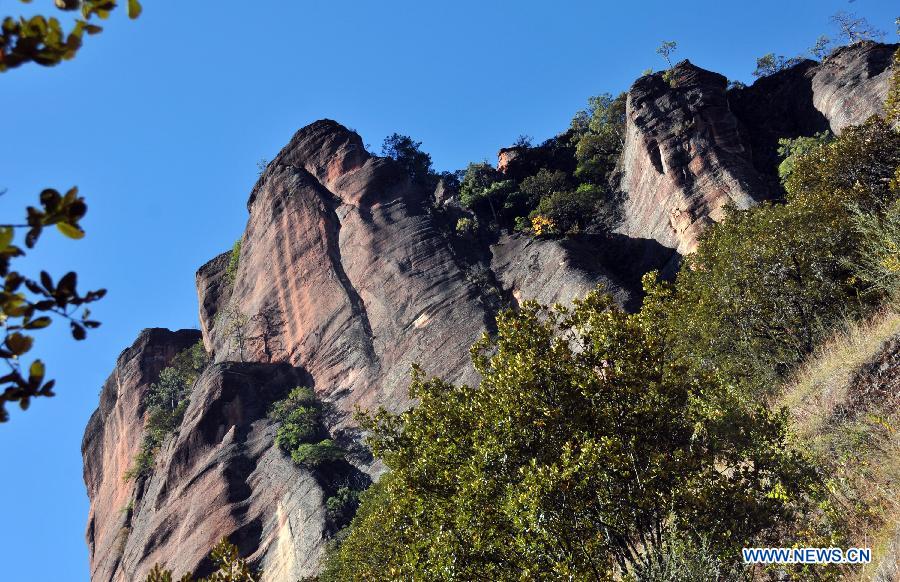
pixel 347 275
pixel 692 146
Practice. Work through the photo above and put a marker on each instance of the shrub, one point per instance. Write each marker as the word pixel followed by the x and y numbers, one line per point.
pixel 543 185
pixel 465 226
pixel 407 153
pixel 599 135
pixel 317 454
pixel 770 64
pixel 587 208
pixel 302 432
pixel 793 149
pixel 878 262
pixel 233 262
pixel 230 567
pixel 766 284
pixel 342 505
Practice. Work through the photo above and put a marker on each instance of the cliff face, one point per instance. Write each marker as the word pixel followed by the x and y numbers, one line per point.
pixel 347 276
pixel 692 146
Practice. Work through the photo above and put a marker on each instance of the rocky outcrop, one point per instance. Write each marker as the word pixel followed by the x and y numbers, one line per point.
pixel 214 290
pixel 344 272
pixel 852 83
pixel 692 147
pixel 112 438
pixel 684 158
pixel 558 271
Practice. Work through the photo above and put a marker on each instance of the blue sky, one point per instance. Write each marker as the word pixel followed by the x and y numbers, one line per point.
pixel 161 121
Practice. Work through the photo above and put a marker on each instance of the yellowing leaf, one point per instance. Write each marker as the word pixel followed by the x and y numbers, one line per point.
pixel 69 230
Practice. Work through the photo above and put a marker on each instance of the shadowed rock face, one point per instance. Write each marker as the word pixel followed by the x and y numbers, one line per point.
pixel 693 147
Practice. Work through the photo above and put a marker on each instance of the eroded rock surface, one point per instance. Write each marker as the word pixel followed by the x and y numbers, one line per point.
pixel 692 147
pixel 113 437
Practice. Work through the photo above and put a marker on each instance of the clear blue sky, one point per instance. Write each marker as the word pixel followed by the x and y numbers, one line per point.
pixel 161 121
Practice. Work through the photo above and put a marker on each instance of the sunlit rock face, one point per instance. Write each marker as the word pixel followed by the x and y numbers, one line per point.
pixel 693 146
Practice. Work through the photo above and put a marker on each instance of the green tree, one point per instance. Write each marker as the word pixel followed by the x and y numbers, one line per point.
pixel 767 283
pixel 770 64
pixel 45 41
pixel 484 191
pixel 230 567
pixel 28 305
pixel 599 136
pixel 301 432
pixel 582 445
pixel 588 208
pixel 793 149
pixel 407 152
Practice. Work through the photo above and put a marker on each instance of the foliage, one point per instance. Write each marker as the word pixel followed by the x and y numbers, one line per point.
pixel 302 433
pixel 766 283
pixel 587 208
pixel 821 49
pixel 343 504
pixel 226 558
pixel 582 444
pixel 892 103
pixel 793 149
pixel 878 262
pixel 484 191
pixel 678 560
pixel 166 402
pixel 770 64
pixel 599 137
pixel 28 305
pixel 234 261
pixel 856 28
pixel 465 226
pixel 666 49
pixel 543 185
pixel 406 152
pixel 45 41
pixel 543 226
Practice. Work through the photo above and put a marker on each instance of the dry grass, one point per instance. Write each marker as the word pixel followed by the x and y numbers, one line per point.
pixel 854 440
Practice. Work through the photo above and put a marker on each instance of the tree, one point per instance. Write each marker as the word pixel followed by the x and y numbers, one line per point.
pixel 584 442
pixel 766 284
pixel 599 136
pixel 666 50
pixel 484 191
pixel 770 64
pixel 792 150
pixel 45 41
pixel 406 152
pixel 855 28
pixel 230 567
pixel 821 49
pixel 28 305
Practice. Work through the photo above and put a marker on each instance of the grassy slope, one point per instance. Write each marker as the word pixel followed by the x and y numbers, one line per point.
pixel 853 432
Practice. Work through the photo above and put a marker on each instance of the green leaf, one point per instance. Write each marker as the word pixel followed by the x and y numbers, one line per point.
pixel 36 372
pixel 70 230
pixel 18 343
pixel 134 8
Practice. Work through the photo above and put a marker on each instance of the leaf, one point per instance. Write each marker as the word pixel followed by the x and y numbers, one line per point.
pixel 134 9
pixel 70 230
pixel 39 323
pixel 18 343
pixel 36 372
pixel 6 237
pixel 78 331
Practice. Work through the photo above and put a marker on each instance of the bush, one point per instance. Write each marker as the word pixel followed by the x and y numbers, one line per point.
pixel 465 226
pixel 407 153
pixel 793 149
pixel 302 433
pixel 317 454
pixel 230 567
pixel 878 263
pixel 588 208
pixel 766 284
pixel 233 262
pixel 599 135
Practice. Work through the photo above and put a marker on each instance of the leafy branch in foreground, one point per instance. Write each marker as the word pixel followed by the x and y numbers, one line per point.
pixel 44 40
pixel 231 568
pixel 27 305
